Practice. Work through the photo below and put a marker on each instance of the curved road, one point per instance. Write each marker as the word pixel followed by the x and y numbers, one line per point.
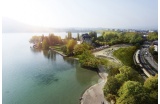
pixel 147 62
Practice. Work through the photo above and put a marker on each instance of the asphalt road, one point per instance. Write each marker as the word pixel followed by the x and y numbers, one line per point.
pixel 147 61
pixel 151 61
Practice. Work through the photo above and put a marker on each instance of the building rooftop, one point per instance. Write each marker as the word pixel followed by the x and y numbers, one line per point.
pixel 86 35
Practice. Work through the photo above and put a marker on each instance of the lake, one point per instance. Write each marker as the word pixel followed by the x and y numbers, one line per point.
pixel 32 76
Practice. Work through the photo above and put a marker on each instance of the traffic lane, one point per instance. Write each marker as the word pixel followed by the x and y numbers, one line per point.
pixel 151 61
pixel 144 63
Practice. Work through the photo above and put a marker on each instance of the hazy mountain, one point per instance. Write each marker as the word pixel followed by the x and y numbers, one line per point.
pixel 13 26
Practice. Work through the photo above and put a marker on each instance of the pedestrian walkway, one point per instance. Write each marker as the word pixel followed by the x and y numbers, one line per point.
pixel 94 94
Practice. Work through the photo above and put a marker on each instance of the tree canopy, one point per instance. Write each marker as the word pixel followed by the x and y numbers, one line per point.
pixel 127 73
pixel 112 37
pixel 88 60
pixel 70 46
pixel 69 35
pixel 151 85
pixel 35 39
pixel 117 80
pixel 112 86
pixel 152 36
pixel 53 40
pixel 45 44
pixel 80 48
pixel 133 93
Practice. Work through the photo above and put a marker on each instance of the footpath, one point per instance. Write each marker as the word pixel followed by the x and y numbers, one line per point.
pixel 94 94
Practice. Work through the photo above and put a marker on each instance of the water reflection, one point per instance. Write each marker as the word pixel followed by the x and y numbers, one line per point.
pixel 70 61
pixel 49 54
pixel 82 75
pixel 35 50
pixel 53 55
pixel 46 53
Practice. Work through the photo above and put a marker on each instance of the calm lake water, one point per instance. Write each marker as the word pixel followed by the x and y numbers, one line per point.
pixel 32 76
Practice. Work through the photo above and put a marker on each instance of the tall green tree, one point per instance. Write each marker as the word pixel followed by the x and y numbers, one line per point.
pixel 127 73
pixel 133 93
pixel 88 60
pixel 152 36
pixel 151 85
pixel 135 38
pixel 112 86
pixel 80 48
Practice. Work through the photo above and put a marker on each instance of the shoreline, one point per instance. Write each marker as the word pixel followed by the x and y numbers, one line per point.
pixel 58 52
pixel 98 87
pixel 63 54
pixel 95 92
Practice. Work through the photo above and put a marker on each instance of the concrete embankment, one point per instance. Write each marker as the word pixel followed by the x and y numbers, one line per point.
pixel 61 53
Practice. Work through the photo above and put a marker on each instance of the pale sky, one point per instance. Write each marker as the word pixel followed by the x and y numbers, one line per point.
pixel 138 14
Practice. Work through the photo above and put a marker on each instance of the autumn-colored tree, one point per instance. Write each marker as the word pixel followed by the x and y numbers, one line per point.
pixel 35 39
pixel 70 46
pixel 69 35
pixel 45 44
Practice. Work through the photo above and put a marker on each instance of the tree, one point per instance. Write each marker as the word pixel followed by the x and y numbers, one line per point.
pixel 151 85
pixel 70 46
pixel 110 36
pixel 111 87
pixel 45 44
pixel 135 38
pixel 111 97
pixel 42 37
pixel 88 60
pixel 78 37
pixel 152 36
pixel 133 93
pixel 64 49
pixel 121 78
pixel 69 35
pixel 80 48
pixel 51 38
pixel 113 72
pixel 93 35
pixel 35 39
pixel 39 45
pixel 127 73
pixel 54 40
